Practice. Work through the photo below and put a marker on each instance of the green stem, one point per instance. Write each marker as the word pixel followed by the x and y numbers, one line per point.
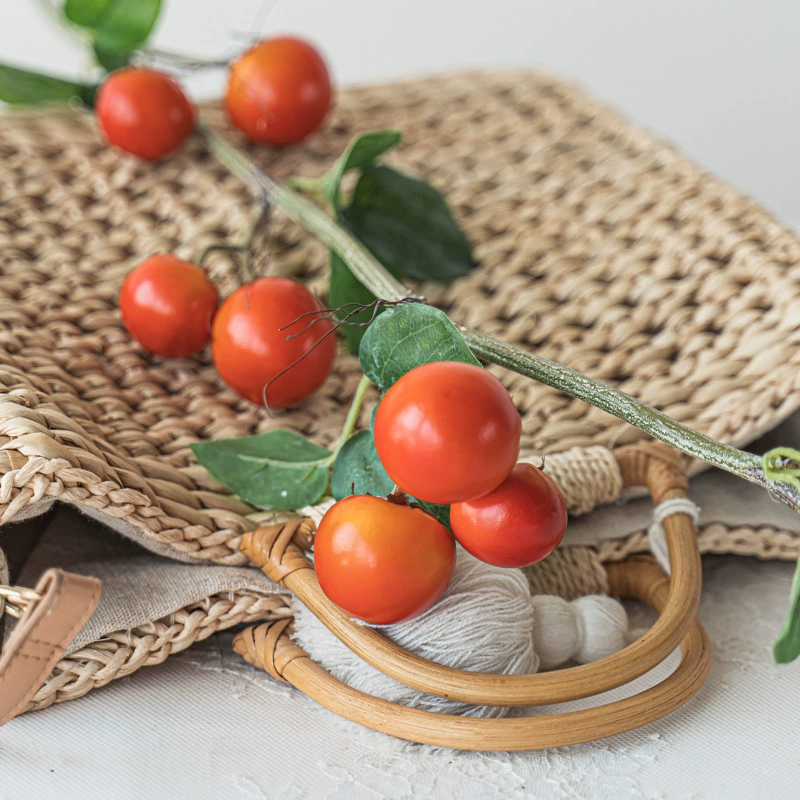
pixel 244 247
pixel 205 252
pixel 370 272
pixel 362 263
pixel 311 187
pixel 611 400
pixel 352 414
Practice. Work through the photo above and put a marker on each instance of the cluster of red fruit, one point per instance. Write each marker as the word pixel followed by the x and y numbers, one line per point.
pixel 278 93
pixel 446 433
pixel 171 307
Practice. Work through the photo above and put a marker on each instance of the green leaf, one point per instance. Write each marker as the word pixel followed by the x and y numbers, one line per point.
pixel 110 61
pixel 787 645
pixel 358 463
pixel 279 469
pixel 86 13
pixel 362 150
pixel 346 288
pixel 116 26
pixel 405 337
pixel 358 470
pixel 408 225
pixel 22 87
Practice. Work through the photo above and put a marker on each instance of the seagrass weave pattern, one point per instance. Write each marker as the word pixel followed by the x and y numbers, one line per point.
pixel 124 652
pixel 599 247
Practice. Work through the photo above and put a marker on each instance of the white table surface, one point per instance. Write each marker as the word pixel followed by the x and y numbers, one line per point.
pixel 719 78
pixel 206 725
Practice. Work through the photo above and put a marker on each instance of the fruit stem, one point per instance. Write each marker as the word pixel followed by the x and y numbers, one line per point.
pixel 352 414
pixel 244 247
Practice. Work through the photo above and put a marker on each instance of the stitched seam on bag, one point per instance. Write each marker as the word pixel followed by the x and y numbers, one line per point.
pixel 42 641
pixel 64 642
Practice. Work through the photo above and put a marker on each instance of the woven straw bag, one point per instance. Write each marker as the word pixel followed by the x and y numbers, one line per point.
pixel 599 246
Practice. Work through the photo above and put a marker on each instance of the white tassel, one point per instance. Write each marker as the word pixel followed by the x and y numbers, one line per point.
pixel 584 630
pixel 483 622
pixel 486 621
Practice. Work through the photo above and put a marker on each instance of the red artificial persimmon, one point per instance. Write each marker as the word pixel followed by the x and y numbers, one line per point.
pixel 381 561
pixel 168 306
pixel 279 91
pixel 260 331
pixel 144 112
pixel 519 523
pixel 447 432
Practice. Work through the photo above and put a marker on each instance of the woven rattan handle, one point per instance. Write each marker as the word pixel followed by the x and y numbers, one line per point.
pixel 270 647
pixel 274 550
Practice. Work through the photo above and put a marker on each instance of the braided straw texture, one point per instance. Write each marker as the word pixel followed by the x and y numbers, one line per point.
pixel 599 247
pixel 124 652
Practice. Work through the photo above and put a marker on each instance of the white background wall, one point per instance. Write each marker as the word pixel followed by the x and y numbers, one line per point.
pixel 719 77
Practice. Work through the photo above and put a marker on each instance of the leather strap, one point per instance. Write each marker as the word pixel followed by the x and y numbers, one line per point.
pixel 42 634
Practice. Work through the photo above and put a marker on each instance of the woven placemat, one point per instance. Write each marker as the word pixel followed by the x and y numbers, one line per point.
pixel 599 247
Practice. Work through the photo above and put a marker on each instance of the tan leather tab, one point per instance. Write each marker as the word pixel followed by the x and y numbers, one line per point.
pixel 44 632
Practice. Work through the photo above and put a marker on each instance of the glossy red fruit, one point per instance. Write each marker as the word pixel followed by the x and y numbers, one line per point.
pixel 382 562
pixel 250 349
pixel 144 112
pixel 168 305
pixel 447 432
pixel 519 523
pixel 279 91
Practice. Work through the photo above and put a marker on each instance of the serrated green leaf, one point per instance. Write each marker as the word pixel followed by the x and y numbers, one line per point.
pixel 408 225
pixel 358 469
pixel 345 288
pixel 86 13
pixel 405 337
pixel 116 26
pixel 362 150
pixel 23 87
pixel 280 469
pixel 787 645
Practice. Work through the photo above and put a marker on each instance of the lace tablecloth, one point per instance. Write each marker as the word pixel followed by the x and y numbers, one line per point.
pixel 205 725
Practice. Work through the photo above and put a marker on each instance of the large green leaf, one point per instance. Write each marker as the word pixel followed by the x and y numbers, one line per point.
pixel 787 645
pixel 23 87
pixel 279 469
pixel 86 13
pixel 358 469
pixel 116 26
pixel 362 150
pixel 405 337
pixel 408 226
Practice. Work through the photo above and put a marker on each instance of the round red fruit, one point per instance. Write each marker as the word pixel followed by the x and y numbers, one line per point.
pixel 279 91
pixel 168 306
pixel 380 561
pixel 260 333
pixel 144 112
pixel 447 431
pixel 519 523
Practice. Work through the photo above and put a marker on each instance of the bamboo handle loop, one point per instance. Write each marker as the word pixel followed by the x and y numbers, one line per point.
pixel 652 465
pixel 639 578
